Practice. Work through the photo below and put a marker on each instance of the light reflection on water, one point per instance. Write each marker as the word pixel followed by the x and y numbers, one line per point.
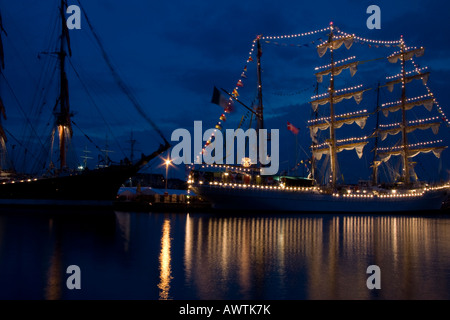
pixel 208 256
pixel 317 257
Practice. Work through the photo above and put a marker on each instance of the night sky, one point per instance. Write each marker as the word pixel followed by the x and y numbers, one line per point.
pixel 172 53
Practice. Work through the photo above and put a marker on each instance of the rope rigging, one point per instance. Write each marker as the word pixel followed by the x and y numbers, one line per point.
pixel 119 80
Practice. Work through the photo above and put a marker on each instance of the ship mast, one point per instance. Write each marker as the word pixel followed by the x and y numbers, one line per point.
pixel 63 116
pixel 375 163
pixel 259 111
pixel 332 116
pixel 332 146
pixel 405 154
pixel 406 150
pixel 3 138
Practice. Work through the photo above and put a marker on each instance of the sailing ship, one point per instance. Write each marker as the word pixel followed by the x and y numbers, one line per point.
pixel 243 188
pixel 62 185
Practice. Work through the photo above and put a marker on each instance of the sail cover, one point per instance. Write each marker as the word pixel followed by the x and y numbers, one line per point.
pixel 360 121
pixel 423 76
pixel 358 95
pixel 407 55
pixel 358 147
pixel 353 67
pixel 434 126
pixel 385 156
pixel 335 44
pixel 428 104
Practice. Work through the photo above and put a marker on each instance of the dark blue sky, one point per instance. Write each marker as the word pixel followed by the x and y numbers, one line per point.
pixel 172 53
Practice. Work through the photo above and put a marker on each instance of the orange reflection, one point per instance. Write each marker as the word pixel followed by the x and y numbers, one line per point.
pixel 323 257
pixel 165 270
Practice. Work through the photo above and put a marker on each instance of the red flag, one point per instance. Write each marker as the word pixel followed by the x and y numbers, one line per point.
pixel 292 128
pixel 239 83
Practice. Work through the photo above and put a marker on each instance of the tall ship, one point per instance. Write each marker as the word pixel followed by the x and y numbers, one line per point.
pixel 60 184
pixel 243 187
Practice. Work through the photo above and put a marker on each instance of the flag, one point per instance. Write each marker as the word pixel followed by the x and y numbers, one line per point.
pixel 291 128
pixel 239 83
pixel 219 99
pixel 235 93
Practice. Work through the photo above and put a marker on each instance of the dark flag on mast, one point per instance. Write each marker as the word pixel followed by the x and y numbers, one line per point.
pixel 222 101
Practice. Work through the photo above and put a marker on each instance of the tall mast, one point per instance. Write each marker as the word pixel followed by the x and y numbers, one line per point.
pixel 376 163
pixel 63 122
pixel 3 138
pixel 260 101
pixel 332 146
pixel 313 158
pixel 404 127
pixel 332 116
pixel 405 152
pixel 260 109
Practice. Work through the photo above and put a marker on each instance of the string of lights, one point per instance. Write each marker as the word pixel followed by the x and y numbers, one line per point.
pixel 296 35
pixel 430 94
pixel 419 144
pixel 381 42
pixel 409 122
pixel 344 115
pixel 444 117
pixel 337 62
pixel 418 71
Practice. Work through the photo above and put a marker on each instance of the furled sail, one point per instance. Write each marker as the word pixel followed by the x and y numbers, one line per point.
pixel 423 76
pixel 335 44
pixel 385 156
pixel 357 146
pixel 427 103
pixel 423 126
pixel 357 95
pixel 360 121
pixel 407 55
pixel 353 67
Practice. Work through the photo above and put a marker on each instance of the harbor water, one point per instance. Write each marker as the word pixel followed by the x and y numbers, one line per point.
pixel 223 256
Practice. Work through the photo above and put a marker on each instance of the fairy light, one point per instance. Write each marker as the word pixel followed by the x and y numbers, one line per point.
pixel 327 143
pixel 344 115
pixel 319 95
pixel 423 120
pixel 394 42
pixel 349 89
pixel 336 91
pixel 353 139
pixel 297 35
pixel 444 117
pixel 419 144
pixel 430 94
pixel 417 70
pixel 409 122
pixel 365 195
pixel 335 38
pixel 337 62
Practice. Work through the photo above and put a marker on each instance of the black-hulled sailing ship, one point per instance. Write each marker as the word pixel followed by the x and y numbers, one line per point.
pixel 248 190
pixel 62 185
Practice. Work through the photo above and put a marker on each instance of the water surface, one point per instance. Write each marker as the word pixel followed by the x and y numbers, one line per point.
pixel 223 256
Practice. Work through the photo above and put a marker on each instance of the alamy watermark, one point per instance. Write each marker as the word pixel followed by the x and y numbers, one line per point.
pixel 74 280
pixel 74 20
pixel 256 150
pixel 374 21
pixel 374 280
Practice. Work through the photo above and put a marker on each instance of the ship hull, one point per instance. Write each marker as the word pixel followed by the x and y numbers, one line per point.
pixel 250 199
pixel 96 188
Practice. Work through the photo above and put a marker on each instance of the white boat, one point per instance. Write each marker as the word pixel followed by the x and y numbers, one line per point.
pixel 243 188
